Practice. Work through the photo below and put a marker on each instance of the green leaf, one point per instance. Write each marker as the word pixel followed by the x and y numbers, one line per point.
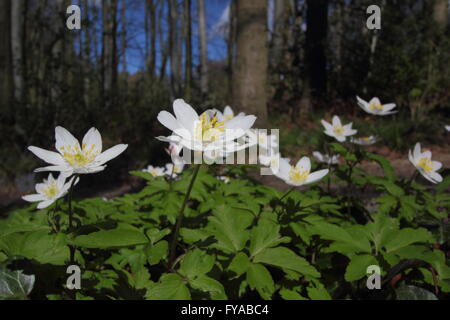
pixel 345 241
pixel 407 236
pixel 357 267
pixel 287 294
pixel 384 164
pixel 259 278
pixel 196 263
pixel 157 252
pixel 114 238
pixel 265 235
pixel 229 226
pixel 170 287
pixel 239 264
pixel 15 284
pixel 319 293
pixel 408 292
pixel 155 234
pixel 207 284
pixel 286 258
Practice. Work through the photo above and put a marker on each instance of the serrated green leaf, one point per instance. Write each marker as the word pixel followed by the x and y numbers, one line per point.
pixel 286 258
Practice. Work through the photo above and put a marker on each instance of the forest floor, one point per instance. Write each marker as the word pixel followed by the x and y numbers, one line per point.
pixel 10 196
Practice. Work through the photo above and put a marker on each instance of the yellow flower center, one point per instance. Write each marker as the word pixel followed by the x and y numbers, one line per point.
pixel 51 190
pixel 208 129
pixel 77 157
pixel 297 175
pixel 154 172
pixel 338 130
pixel 376 106
pixel 425 164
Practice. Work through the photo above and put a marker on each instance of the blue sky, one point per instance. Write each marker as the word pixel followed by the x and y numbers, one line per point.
pixel 136 40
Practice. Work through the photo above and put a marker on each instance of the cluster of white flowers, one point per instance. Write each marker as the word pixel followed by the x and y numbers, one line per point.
pixel 213 133
pixel 421 160
pixel 71 159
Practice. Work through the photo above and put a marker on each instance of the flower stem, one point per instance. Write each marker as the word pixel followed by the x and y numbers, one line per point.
pixel 70 229
pixel 287 193
pixel 174 243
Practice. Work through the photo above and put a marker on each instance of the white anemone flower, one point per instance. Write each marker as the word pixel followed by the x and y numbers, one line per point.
pixel 228 114
pixel 272 161
pixel 300 174
pixel 175 168
pixel 75 159
pixel 337 130
pixel 155 171
pixel 50 190
pixel 203 132
pixel 365 141
pixel 375 107
pixel 225 179
pixel 325 158
pixel 447 128
pixel 422 161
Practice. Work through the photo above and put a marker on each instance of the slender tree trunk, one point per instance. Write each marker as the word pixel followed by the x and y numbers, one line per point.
pixel 277 36
pixel 86 53
pixel 316 36
pixel 174 49
pixel 440 13
pixel 17 40
pixel 152 15
pixel 203 48
pixel 6 84
pixel 188 56
pixel 250 74
pixel 109 48
pixel 231 45
pixel 123 20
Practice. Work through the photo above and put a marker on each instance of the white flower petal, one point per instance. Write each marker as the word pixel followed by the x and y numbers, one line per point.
pixel 45 204
pixel 109 154
pixel 33 197
pixel 64 138
pixel 93 138
pixel 185 114
pixel 168 120
pixel 48 156
pixel 316 176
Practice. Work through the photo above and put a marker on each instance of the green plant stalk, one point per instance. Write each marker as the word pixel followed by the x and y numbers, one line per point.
pixel 174 243
pixel 70 229
pixel 287 193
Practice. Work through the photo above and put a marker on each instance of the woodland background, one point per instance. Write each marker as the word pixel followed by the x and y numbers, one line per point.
pixel 290 62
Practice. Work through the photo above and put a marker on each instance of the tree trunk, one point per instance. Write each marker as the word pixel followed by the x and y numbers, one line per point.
pixel 109 51
pixel 123 20
pixel 5 57
pixel 203 48
pixel 277 36
pixel 17 32
pixel 316 37
pixel 231 44
pixel 175 65
pixel 440 13
pixel 188 56
pixel 250 73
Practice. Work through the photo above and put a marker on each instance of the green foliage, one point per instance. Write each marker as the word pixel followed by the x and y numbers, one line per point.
pixel 240 240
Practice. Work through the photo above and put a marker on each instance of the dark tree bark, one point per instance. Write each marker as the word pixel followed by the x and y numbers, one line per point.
pixel 440 13
pixel 6 85
pixel 203 48
pixel 316 37
pixel 250 73
pixel 188 56
pixel 17 42
pixel 109 51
